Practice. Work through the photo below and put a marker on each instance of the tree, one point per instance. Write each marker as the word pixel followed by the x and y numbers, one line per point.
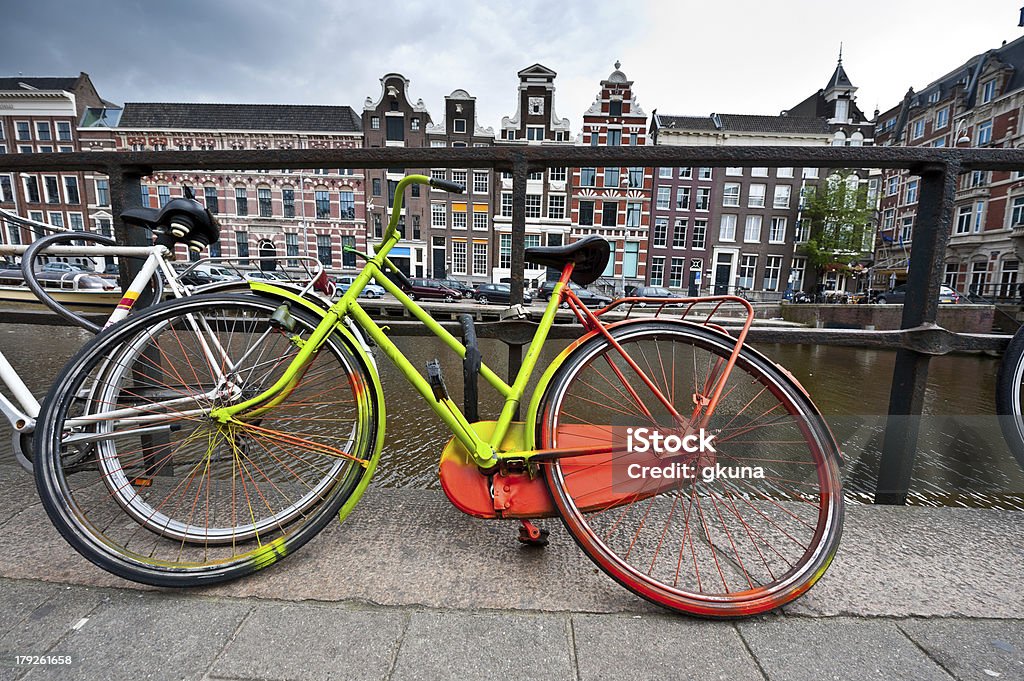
pixel 841 222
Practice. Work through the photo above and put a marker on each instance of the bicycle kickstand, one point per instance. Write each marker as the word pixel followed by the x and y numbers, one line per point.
pixel 531 535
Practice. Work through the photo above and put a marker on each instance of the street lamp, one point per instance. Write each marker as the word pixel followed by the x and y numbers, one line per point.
pixel 961 136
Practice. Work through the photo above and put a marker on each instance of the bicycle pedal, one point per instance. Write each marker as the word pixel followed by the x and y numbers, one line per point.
pixel 436 381
pixel 532 535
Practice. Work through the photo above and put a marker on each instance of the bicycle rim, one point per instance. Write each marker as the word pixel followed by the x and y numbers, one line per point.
pixel 142 481
pixel 718 540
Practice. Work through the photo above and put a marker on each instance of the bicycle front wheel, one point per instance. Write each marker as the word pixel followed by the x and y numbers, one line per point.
pixel 747 521
pixel 1009 386
pixel 141 480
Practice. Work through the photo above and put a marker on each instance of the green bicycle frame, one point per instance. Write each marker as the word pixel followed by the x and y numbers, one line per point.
pixel 484 452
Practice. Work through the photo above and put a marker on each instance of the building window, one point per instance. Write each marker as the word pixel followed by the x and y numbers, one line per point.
pixel 731 194
pixel 685 173
pixel 212 202
pixel 348 251
pixel 556 207
pixel 291 249
pixel 748 267
pixel 636 178
pixel 752 229
pixel 459 125
pixel 459 220
pixel 71 195
pixel 395 131
pixel 682 198
pixel 777 231
pixel 664 198
pixel 322 199
pixel 22 131
pixel 324 250
pixel 952 274
pixel 611 177
pixel 43 131
pixel 163 193
pixel 593 139
pixel 63 131
pixel 533 206
pixel 988 91
pixel 1017 214
pixel 632 214
pixel 378 225
pixel 459 257
pixel 755 196
pixel 288 201
pixel 506 205
pixel 479 258
pixel 610 214
pixel 536 176
pixel 263 198
pixel 479 219
pixel 759 172
pixel 416 227
pixel 242 247
pixel 679 233
pixel 784 172
pixel 783 193
pixel 675 273
pixel 375 122
pixel 907 229
pixel 700 229
pixel 917 129
pixel 735 171
pixel 347 201
pixel 979 210
pixel 241 201
pixel 911 195
pixel 942 117
pixel 984 133
pixel 660 232
pixel 772 270
pixel 31 185
pixel 557 174
pixel 102 192
pixel 809 173
pixel 480 182
pixel 438 215
pixel 505 251
pixel 438 174
pixel 727 228
pixel 614 138
pixel 703 198
pixel 657 270
pixel 376 186
pixel 631 259
pixel 6 189
pixel 665 172
pixel 52 188
pixel 535 133
pixel 586 213
pixel 892 185
pixel 588 177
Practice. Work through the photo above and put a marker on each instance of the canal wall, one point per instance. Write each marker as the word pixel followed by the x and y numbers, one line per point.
pixel 956 318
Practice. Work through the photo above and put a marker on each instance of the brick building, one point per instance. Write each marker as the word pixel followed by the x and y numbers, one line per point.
pixel 460 225
pixel 718 229
pixel 615 203
pixel 316 212
pixel 979 104
pixel 547 218
pixel 41 115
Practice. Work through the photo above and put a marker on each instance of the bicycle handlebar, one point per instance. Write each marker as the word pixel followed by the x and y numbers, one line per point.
pixel 453 187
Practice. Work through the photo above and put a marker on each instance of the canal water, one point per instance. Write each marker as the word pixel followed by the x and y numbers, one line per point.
pixel 961 460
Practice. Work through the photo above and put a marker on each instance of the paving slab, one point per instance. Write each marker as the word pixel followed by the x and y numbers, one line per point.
pixel 483 647
pixel 286 641
pixel 972 649
pixel 621 648
pixel 840 649
pixel 136 636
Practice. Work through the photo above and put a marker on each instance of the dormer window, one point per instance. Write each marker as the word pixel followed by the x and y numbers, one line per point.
pixel 535 132
pixel 988 91
pixel 459 125
pixel 615 107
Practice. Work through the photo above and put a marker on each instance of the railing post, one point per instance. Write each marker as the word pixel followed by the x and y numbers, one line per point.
pixel 910 374
pixel 520 171
pixel 126 192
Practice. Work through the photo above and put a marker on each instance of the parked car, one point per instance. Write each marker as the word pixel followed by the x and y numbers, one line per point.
pixel 430 289
pixel 497 293
pixel 465 289
pixel 590 298
pixel 217 272
pixel 371 290
pixel 654 292
pixel 261 275
pixel 899 295
pixel 66 267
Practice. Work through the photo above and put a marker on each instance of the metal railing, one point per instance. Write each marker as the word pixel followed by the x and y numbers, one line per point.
pixel 916 342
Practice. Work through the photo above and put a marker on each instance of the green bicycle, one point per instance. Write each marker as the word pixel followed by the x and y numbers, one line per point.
pixel 212 436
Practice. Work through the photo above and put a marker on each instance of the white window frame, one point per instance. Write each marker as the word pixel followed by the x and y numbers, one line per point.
pixel 731 194
pixel 752 229
pixel 727 227
pixel 756 195
pixel 777 230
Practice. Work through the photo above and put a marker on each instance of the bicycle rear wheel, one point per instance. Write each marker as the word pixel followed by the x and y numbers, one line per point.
pixel 138 477
pixel 1009 386
pixel 746 525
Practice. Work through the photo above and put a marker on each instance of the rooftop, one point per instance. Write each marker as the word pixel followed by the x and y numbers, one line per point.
pixel 306 118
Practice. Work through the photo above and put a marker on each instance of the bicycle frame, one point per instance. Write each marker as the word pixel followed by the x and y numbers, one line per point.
pixel 485 453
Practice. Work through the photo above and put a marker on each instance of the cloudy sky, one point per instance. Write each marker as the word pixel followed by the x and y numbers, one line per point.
pixel 686 57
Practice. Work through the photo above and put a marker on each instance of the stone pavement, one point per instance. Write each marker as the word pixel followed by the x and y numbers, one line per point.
pixel 914 594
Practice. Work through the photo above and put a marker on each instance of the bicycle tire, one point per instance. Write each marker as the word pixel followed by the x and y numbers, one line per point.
pixel 743 527
pixel 1009 383
pixel 192 501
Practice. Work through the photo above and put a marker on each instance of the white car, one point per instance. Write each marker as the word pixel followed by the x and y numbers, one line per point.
pixel 371 290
